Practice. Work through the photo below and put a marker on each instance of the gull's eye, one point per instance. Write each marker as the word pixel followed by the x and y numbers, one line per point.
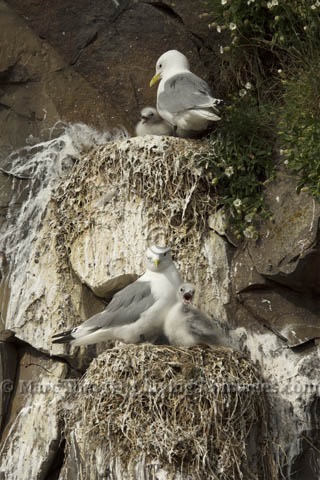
pixel 181 289
pixel 160 66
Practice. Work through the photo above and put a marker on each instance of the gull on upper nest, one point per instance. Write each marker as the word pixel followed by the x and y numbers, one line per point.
pixel 184 100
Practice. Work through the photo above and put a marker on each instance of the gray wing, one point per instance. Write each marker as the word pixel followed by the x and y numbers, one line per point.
pixel 185 91
pixel 125 307
pixel 202 327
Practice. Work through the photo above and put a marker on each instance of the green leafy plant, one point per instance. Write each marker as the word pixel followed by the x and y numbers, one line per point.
pixel 300 129
pixel 241 161
pixel 265 36
pixel 270 57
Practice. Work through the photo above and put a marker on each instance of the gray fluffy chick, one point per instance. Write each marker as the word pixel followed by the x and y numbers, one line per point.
pixel 152 124
pixel 186 326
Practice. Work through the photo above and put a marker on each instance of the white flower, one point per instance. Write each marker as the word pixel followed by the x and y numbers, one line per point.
pixel 250 232
pixel 228 171
pixel 242 92
pixel 248 218
pixel 313 7
pixel 279 71
pixel 286 162
pixel 237 202
pixel 218 29
pixel 281 151
pixel 250 1
pixel 274 3
pixel 223 2
pixel 232 26
pixel 248 85
pixel 221 49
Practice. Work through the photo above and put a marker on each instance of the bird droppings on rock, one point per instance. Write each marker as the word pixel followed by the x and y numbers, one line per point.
pixel 197 412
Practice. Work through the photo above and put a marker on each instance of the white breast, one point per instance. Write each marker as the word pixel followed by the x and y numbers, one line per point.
pixel 176 327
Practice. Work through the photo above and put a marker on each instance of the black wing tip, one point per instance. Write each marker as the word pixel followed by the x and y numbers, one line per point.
pixel 63 337
pixel 223 103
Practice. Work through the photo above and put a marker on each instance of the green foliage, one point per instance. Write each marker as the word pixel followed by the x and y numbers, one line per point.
pixel 241 161
pixel 300 129
pixel 265 36
pixel 271 48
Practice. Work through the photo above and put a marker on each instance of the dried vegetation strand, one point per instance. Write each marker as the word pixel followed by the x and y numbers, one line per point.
pixel 194 411
pixel 162 172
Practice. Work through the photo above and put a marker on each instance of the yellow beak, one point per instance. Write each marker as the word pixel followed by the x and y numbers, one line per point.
pixel 155 79
pixel 156 261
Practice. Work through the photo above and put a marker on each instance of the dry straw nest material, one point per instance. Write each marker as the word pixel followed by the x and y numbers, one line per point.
pixel 193 411
pixel 164 173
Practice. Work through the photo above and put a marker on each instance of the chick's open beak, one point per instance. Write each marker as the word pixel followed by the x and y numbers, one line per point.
pixel 188 297
pixel 155 79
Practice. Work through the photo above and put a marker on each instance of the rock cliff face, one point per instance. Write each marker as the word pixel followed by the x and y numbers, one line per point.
pixel 76 219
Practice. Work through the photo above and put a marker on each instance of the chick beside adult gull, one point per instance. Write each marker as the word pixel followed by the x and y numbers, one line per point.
pixel 152 124
pixel 186 326
pixel 184 100
pixel 136 312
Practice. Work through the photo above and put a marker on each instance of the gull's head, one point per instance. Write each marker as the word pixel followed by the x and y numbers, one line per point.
pixel 170 60
pixel 186 293
pixel 158 258
pixel 149 115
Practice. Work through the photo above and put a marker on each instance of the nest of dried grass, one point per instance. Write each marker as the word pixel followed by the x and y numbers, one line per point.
pixel 194 411
pixel 163 172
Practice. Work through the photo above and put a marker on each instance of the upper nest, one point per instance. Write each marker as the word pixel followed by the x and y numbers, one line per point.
pixel 192 410
pixel 163 172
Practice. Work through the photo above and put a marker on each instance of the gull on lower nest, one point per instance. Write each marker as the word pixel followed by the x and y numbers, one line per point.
pixel 137 311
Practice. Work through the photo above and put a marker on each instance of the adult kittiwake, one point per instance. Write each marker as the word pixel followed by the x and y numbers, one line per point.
pixel 184 100
pixel 137 312
pixel 152 124
pixel 186 326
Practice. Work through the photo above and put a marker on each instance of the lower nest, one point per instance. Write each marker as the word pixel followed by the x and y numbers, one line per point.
pixel 194 411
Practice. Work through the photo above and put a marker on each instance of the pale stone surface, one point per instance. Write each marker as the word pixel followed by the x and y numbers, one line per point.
pixel 112 253
pixel 32 434
pixel 292 385
pixel 45 299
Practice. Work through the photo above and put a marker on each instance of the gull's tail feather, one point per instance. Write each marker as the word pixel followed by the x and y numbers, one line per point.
pixel 81 336
pixel 207 114
pixel 63 337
